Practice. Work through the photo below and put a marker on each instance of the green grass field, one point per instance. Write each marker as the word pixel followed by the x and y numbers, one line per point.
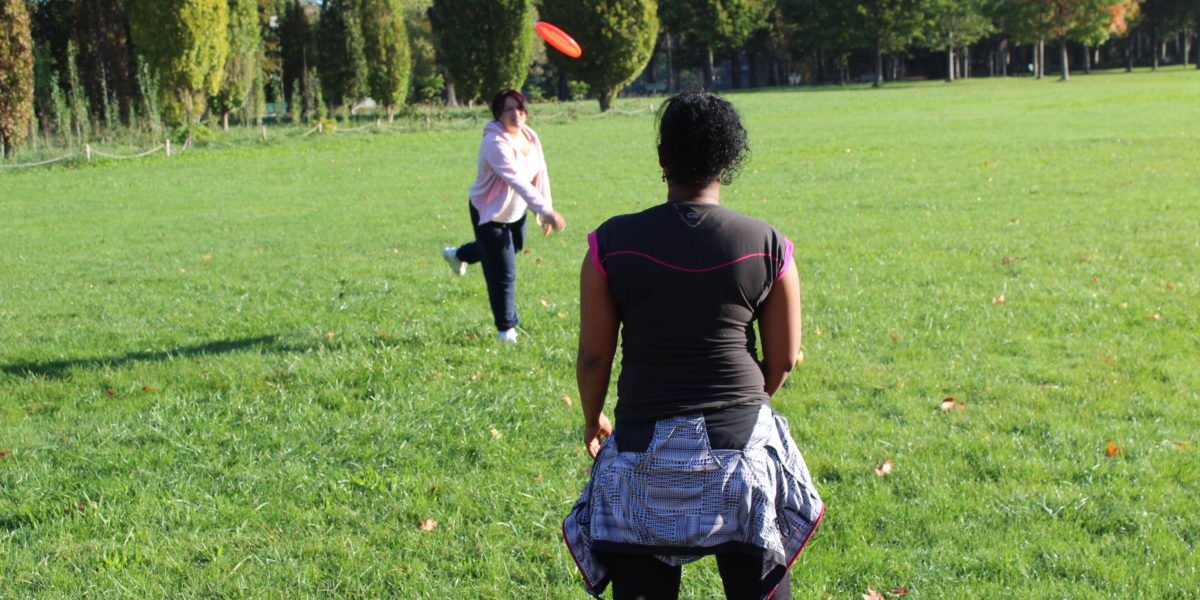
pixel 247 373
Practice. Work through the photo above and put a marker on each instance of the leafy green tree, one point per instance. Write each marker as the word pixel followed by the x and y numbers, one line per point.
pixel 296 49
pixel 1028 22
pixel 16 74
pixel 104 61
pixel 1076 19
pixel 389 59
pixel 1162 19
pixel 617 37
pixel 341 57
pixel 426 83
pixel 715 26
pixel 953 25
pixel 885 27
pixel 484 45
pixel 184 42
pixel 244 61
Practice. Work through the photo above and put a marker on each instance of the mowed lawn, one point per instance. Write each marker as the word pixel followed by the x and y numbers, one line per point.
pixel 247 373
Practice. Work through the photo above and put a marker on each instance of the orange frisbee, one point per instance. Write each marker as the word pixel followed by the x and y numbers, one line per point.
pixel 559 39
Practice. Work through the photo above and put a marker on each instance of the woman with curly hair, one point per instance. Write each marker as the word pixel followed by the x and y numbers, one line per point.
pixel 698 462
pixel 511 179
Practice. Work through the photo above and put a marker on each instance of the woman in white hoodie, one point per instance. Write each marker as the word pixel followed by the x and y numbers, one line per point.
pixel 512 178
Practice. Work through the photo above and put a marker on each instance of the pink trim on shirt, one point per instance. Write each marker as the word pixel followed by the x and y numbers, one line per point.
pixel 685 269
pixel 594 252
pixel 787 258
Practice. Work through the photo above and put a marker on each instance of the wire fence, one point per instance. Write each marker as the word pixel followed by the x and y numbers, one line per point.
pixel 89 152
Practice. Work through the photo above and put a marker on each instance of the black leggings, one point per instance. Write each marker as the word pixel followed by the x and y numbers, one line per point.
pixel 643 577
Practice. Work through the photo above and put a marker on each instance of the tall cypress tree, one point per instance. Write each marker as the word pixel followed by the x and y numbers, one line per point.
pixel 389 60
pixel 244 60
pixel 16 74
pixel 296 50
pixel 184 42
pixel 617 37
pixel 102 35
pixel 485 46
pixel 343 62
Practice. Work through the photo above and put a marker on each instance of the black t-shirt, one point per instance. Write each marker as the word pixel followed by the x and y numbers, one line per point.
pixel 688 280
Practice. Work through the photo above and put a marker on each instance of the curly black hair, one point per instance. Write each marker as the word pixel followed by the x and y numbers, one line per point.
pixel 700 139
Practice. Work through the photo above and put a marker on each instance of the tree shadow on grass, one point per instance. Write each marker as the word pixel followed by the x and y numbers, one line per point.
pixel 56 368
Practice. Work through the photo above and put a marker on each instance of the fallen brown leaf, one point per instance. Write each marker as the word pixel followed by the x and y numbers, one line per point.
pixel 885 468
pixel 998 299
pixel 898 591
pixel 1112 450
pixel 1008 259
pixel 951 404
pixel 566 400
pixel 329 336
pixel 1154 317
pixel 428 524
pixel 872 595
pixel 495 434
pixel 3 452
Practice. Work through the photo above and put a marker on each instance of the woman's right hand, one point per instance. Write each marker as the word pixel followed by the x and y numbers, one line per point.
pixel 551 222
pixel 595 434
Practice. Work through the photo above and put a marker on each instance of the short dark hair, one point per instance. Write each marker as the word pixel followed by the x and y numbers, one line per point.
pixel 700 138
pixel 498 102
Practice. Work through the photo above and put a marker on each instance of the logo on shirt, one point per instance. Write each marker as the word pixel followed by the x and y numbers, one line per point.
pixel 690 216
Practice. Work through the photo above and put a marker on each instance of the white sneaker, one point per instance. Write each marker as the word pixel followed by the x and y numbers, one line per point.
pixel 457 267
pixel 508 336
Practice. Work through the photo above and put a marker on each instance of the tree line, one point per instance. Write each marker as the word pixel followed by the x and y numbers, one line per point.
pixel 73 68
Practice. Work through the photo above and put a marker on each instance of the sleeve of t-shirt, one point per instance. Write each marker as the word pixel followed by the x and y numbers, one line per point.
pixel 594 252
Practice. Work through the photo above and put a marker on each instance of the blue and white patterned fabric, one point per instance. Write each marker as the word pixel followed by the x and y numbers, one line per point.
pixel 681 500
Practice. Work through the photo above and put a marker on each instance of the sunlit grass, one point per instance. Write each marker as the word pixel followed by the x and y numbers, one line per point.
pixel 246 372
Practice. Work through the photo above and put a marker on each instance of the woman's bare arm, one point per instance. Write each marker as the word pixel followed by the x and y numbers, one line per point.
pixel 779 329
pixel 598 325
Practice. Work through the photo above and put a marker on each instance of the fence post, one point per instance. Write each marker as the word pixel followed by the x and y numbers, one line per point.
pixel 167 142
pixel 87 150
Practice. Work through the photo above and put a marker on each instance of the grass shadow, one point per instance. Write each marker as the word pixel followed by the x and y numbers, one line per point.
pixel 56 368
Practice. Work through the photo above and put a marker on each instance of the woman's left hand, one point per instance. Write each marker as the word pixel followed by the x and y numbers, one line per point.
pixel 550 222
pixel 594 435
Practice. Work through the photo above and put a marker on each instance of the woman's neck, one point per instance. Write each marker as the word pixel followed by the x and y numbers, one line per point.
pixel 705 194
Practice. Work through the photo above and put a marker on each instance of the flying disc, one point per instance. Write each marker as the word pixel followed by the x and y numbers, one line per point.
pixel 559 39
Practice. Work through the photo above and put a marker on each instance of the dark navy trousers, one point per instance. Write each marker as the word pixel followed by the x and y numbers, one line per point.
pixel 496 246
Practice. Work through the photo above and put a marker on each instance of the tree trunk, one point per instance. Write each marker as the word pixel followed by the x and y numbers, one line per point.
pixel 1041 58
pixel 1087 60
pixel 708 70
pixel 949 63
pixel 878 65
pixel 752 62
pixel 966 63
pixel 225 121
pixel 735 70
pixel 1129 57
pixel 1004 58
pixel 451 97
pixel 1187 48
pixel 391 110
pixel 606 98
pixel 671 85
pixel 1153 48
pixel 1062 60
